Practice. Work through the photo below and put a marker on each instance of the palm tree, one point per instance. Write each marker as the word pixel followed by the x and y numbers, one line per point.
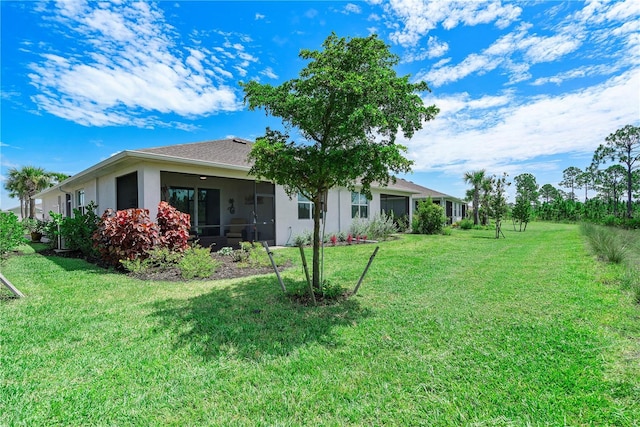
pixel 28 181
pixel 15 187
pixel 476 179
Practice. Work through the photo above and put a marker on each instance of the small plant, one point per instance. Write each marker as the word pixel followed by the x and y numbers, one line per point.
pixel 33 225
pixel 466 224
pixel 11 233
pixel 331 290
pixel 380 227
pixel 631 281
pixel 196 262
pixel 606 243
pixel 349 239
pixel 303 239
pixel 334 239
pixel 359 226
pixel 226 251
pixel 446 231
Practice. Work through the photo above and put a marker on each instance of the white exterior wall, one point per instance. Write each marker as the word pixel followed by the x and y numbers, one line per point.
pixel 338 215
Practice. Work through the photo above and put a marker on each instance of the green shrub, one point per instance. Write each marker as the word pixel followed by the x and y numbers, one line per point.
pixel 446 231
pixel 77 231
pixel 33 225
pixel 429 218
pixel 157 259
pixel 606 243
pixel 359 227
pixel 611 220
pixel 303 239
pixel 197 262
pixel 466 224
pixel 381 227
pixel 11 233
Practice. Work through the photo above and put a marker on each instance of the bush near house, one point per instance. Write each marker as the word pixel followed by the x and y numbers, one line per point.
pixel 429 218
pixel 174 227
pixel 126 234
pixel 11 233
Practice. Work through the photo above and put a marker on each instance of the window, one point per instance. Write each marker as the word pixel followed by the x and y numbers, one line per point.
pixel 80 200
pixel 305 207
pixel 359 205
pixel 127 191
pixel 183 200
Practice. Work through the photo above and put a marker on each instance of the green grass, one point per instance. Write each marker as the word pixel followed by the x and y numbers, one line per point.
pixel 446 330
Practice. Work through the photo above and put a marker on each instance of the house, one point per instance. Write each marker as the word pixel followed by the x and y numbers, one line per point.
pixel 17 211
pixel 210 181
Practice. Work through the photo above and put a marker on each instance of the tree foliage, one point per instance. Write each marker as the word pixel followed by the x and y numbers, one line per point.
pixel 476 180
pixel 498 202
pixel 26 182
pixel 570 180
pixel 348 104
pixel 622 147
pixel 526 198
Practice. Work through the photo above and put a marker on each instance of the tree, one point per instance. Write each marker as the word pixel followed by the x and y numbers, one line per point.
pixel 585 180
pixel 348 104
pixel 570 180
pixel 526 196
pixel 548 192
pixel 485 200
pixel 623 147
pixel 498 202
pixel 26 182
pixel 475 178
pixel 611 183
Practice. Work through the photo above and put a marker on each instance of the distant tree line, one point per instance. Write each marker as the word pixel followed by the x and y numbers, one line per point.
pixel 614 176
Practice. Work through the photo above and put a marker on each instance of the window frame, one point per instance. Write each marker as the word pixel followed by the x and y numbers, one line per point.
pixel 358 206
pixel 81 200
pixel 305 203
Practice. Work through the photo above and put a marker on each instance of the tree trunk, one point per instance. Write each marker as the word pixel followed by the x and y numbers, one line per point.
pixel 32 208
pixel 476 213
pixel 316 243
pixel 629 192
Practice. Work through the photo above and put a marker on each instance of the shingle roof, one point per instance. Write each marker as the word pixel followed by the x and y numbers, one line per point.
pixel 419 190
pixel 232 151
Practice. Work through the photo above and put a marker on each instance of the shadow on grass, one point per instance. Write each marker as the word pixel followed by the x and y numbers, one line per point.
pixel 252 319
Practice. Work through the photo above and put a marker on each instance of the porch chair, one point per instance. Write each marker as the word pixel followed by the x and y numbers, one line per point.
pixel 237 231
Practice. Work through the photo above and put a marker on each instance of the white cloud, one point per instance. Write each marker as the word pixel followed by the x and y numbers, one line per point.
pixel 269 73
pixel 418 17
pixel 133 65
pixel 352 8
pixel 259 16
pixel 515 51
pixel 499 132
pixel 435 49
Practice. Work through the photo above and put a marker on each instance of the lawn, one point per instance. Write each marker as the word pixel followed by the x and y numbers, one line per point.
pixel 446 330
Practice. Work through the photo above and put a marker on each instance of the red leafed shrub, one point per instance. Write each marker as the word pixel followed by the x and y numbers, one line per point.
pixel 126 234
pixel 174 227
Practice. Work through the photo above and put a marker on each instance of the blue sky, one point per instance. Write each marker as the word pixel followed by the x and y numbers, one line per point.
pixel 522 86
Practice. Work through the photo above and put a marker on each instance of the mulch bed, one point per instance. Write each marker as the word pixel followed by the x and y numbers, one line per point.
pixel 228 269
